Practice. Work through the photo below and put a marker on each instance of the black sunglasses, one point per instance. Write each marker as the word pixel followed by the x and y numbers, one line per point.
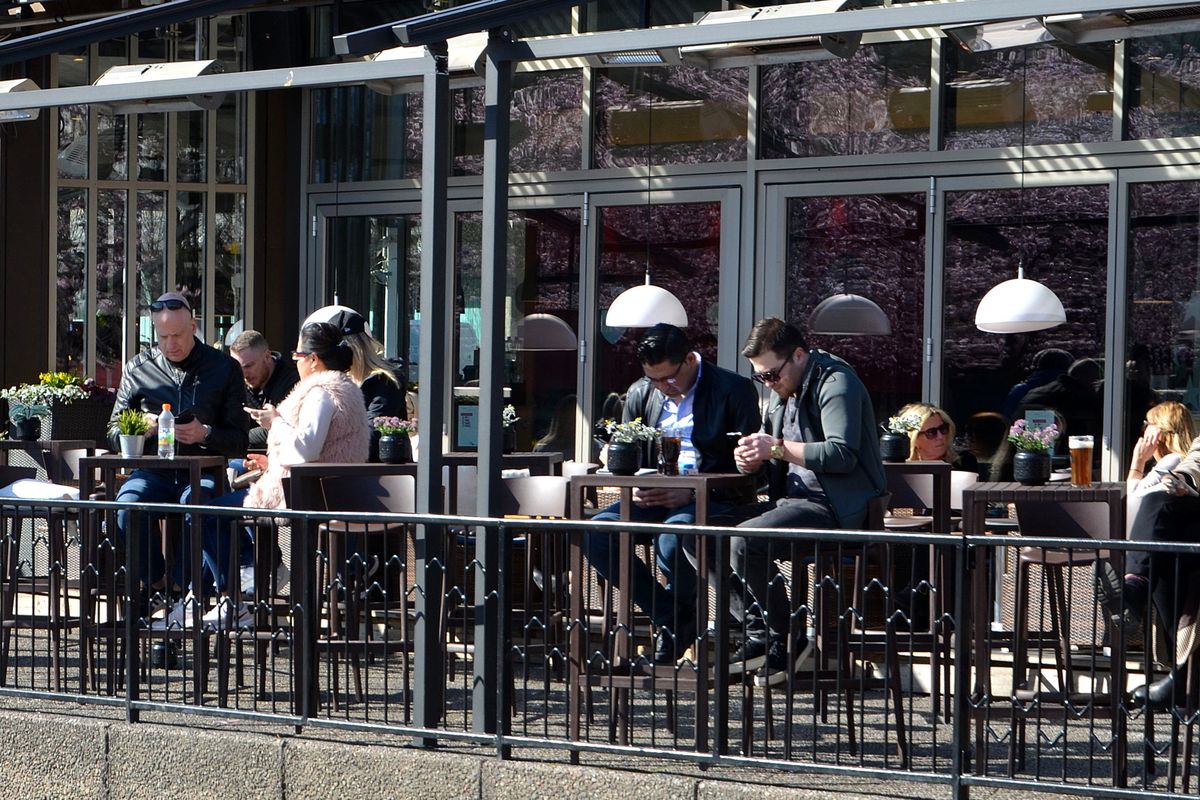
pixel 940 430
pixel 170 305
pixel 770 375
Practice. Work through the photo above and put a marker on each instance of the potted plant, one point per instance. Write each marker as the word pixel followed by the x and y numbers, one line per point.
pixel 1031 464
pixel 76 408
pixel 626 440
pixel 25 419
pixel 508 419
pixel 895 443
pixel 394 444
pixel 131 428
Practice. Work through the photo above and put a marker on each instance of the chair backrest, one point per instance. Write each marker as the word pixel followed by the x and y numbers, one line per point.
pixel 396 494
pixel 1067 520
pixel 909 490
pixel 572 468
pixel 959 480
pixel 69 472
pixel 466 483
pixel 535 496
pixel 11 474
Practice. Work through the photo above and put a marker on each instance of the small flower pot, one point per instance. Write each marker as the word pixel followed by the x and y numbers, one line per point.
pixel 395 449
pixel 624 458
pixel 1031 467
pixel 509 440
pixel 894 447
pixel 27 430
pixel 131 445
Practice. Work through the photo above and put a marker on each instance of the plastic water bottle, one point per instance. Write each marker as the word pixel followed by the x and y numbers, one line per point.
pixel 166 432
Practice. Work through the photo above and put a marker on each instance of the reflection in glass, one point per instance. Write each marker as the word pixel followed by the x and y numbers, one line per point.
pixel 231 139
pixel 189 249
pixel 151 147
pixel 73 142
pixel 71 288
pixel 877 101
pixel 682 242
pixel 375 268
pixel 628 14
pixel 361 135
pixel 1163 304
pixel 111 210
pixel 151 259
pixel 73 68
pixel 229 263
pixel 191 147
pixel 1058 94
pixel 1061 234
pixel 1164 75
pixel 545 130
pixel 112 147
pixel 542 277
pixel 670 115
pixel 872 245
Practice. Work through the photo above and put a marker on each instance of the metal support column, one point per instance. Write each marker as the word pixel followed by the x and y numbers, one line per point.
pixel 429 668
pixel 497 100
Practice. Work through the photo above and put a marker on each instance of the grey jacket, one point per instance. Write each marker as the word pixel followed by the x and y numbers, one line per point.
pixel 841 441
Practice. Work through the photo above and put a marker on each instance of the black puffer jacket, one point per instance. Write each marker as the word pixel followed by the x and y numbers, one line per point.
pixel 207 383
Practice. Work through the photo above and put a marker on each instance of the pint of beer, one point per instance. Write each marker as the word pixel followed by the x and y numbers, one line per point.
pixel 1081 460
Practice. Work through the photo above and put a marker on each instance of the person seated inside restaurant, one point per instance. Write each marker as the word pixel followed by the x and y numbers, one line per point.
pixel 382 381
pixel 269 376
pixel 820 453
pixel 701 403
pixel 560 436
pixel 322 419
pixel 206 391
pixel 1164 464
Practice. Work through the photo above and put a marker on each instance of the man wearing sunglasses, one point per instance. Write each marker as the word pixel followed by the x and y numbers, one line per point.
pixel 820 451
pixel 701 403
pixel 206 391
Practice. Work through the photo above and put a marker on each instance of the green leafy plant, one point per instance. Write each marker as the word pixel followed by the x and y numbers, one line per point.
pixel 394 426
pixel 132 422
pixel 904 423
pixel 629 432
pixel 28 400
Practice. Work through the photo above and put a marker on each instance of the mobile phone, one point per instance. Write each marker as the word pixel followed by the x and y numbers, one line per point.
pixel 185 417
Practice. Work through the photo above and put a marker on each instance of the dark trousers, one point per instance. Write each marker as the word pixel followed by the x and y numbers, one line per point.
pixel 756 578
pixel 1162 517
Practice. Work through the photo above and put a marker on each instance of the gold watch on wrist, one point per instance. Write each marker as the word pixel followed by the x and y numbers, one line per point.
pixel 777 450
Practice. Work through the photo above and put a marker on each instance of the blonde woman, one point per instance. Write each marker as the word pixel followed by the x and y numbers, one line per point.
pixel 1166 435
pixel 382 389
pixel 932 440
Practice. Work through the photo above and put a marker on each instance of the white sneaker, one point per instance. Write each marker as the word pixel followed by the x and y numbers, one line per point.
pixel 217 619
pixel 247 580
pixel 282 576
pixel 178 618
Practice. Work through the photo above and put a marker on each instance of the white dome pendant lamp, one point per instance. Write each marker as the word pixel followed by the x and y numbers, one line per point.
pixel 847 314
pixel 1019 305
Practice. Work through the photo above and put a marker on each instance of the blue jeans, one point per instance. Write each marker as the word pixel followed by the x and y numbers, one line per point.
pixel 215 541
pixel 157 486
pixel 671 554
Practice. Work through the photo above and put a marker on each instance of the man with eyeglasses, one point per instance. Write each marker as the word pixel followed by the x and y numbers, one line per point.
pixel 820 451
pixel 701 403
pixel 205 389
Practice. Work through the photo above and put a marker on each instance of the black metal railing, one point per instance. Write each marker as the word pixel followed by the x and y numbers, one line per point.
pixel 391 623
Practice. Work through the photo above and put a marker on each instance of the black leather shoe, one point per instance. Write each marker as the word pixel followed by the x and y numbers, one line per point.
pixel 669 648
pixel 1117 604
pixel 1159 695
pixel 164 655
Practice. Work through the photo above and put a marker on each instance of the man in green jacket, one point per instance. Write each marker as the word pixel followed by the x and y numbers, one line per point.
pixel 820 450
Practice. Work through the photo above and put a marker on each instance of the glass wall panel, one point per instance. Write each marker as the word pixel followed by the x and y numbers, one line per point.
pixel 542 278
pixel 229 43
pixel 545 132
pixel 872 245
pixel 229 263
pixel 191 147
pixel 231 139
pixel 189 249
pixel 1060 94
pixel 375 267
pixel 1163 301
pixel 151 260
pixel 73 142
pixel 1061 235
pixel 874 102
pixel 71 288
pixel 682 243
pixel 361 135
pixel 111 211
pixel 152 147
pixel 1163 75
pixel 112 134
pixel 670 115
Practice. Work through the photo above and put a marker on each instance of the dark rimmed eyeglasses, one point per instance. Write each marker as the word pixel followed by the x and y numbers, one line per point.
pixel 300 355
pixel 940 430
pixel 671 379
pixel 169 305
pixel 770 375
